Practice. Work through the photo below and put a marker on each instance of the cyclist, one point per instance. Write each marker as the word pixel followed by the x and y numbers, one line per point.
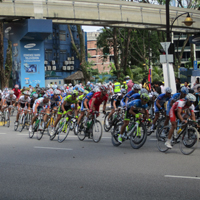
pixel 175 97
pixel 33 98
pixel 175 112
pixel 55 99
pixel 115 103
pixel 17 93
pixel 24 102
pixel 132 109
pixel 8 99
pixel 85 105
pixel 137 95
pixel 65 108
pixel 87 87
pixel 97 99
pixel 159 104
pixel 124 101
pixel 41 104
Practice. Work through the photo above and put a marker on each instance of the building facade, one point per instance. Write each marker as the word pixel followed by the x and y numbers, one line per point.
pixel 95 55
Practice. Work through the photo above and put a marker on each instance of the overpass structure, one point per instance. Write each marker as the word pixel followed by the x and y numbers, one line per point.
pixel 114 13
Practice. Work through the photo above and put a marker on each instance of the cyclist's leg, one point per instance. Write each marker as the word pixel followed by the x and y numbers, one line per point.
pixel 156 110
pixel 126 122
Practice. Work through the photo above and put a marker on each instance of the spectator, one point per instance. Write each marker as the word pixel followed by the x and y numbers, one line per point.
pixel 130 85
pixel 162 87
pixel 157 88
pixel 196 82
pixel 178 85
pixel 186 84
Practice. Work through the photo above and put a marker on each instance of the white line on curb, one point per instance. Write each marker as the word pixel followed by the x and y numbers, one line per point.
pixel 53 148
pixel 186 177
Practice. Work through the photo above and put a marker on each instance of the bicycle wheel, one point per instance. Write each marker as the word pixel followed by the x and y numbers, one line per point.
pixel 16 127
pixel 21 123
pixel 40 133
pixel 160 125
pixel 35 127
pixel 96 131
pixel 148 128
pixel 115 134
pixel 81 132
pixel 137 140
pixel 106 124
pixel 64 131
pixel 189 140
pixel 161 140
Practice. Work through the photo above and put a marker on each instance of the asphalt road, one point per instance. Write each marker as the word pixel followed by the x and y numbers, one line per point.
pixel 32 169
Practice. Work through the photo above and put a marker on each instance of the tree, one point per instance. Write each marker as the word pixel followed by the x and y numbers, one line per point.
pixel 5 72
pixel 80 54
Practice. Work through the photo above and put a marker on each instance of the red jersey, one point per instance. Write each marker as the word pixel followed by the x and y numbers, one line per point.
pixel 99 99
pixel 17 93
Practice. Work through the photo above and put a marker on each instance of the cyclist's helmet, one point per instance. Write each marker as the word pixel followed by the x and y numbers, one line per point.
pixel 155 94
pixel 35 95
pixel 103 88
pixel 143 90
pixel 136 86
pixel 16 86
pixel 168 90
pixel 88 83
pixel 184 90
pixel 11 92
pixel 74 92
pixel 62 88
pixel 123 91
pixel 144 96
pixel 47 96
pixel 56 92
pixel 26 92
pixel 190 97
pixel 38 90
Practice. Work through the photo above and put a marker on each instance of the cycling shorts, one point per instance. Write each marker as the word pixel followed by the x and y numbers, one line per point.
pixel 156 109
pixel 39 109
pixel 8 103
pixel 82 106
pixel 173 115
pixel 128 115
pixel 61 111
pixel 22 105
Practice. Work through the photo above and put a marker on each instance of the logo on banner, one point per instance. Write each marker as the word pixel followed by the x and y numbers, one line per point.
pixel 28 46
pixel 7 30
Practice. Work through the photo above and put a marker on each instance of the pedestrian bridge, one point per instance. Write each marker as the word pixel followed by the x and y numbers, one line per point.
pixel 114 13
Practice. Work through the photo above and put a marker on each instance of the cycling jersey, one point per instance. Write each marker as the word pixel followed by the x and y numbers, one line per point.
pixel 54 102
pixel 134 96
pixel 10 99
pixel 162 99
pixel 32 102
pixel 129 94
pixel 69 100
pixel 179 104
pixel 88 96
pixel 98 98
pixel 22 100
pixel 175 97
pixel 40 102
pixel 17 93
pixel 137 104
pixel 117 98
pixel 80 98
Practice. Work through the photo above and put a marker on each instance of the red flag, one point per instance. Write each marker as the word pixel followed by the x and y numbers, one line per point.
pixel 149 79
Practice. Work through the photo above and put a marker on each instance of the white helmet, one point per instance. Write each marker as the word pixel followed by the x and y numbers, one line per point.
pixel 190 97
pixel 11 92
pixel 35 95
pixel 168 90
pixel 136 86
pixel 143 90
pixel 155 94
pixel 70 84
pixel 57 92
pixel 88 83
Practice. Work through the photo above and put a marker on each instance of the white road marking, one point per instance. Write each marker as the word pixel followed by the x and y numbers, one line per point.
pixel 3 133
pixel 53 148
pixel 22 134
pixel 186 177
pixel 152 139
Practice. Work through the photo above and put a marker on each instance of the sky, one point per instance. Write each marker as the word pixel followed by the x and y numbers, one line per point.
pixel 91 28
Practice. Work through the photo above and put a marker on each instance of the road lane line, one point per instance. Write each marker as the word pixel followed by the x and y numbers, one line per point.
pixel 186 177
pixel 153 139
pixel 22 134
pixel 3 133
pixel 53 148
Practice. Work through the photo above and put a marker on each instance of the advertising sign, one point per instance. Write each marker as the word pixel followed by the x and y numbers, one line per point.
pixel 32 65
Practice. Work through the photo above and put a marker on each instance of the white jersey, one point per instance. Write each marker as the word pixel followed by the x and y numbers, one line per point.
pixel 23 100
pixel 8 98
pixel 41 103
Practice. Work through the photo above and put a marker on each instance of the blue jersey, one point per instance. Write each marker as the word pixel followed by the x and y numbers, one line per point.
pixel 89 96
pixel 162 99
pixel 137 103
pixel 175 97
pixel 134 96
pixel 54 101
pixel 129 94
pixel 63 94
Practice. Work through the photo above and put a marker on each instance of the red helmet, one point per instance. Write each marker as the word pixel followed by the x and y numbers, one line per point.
pixel 103 88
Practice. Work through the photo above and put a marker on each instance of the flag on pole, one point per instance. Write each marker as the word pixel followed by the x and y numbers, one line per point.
pixel 149 79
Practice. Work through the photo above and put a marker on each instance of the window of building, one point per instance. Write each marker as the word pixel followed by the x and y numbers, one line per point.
pixel 48 54
pixel 62 36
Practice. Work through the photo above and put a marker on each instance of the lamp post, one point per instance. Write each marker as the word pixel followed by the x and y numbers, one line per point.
pixel 188 22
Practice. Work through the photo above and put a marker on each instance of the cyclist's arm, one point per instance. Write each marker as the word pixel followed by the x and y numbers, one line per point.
pixel 179 114
pixel 104 106
pixel 193 116
pixel 85 103
pixel 76 111
pixel 126 100
pixel 63 106
pixel 29 106
pixel 92 104
pixel 146 113
pixel 35 111
pixel 158 103
pixel 172 101
pixel 131 111
pixel 18 105
pixel 114 104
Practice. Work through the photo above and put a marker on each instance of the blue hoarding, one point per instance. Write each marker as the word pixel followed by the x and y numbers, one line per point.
pixel 32 63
